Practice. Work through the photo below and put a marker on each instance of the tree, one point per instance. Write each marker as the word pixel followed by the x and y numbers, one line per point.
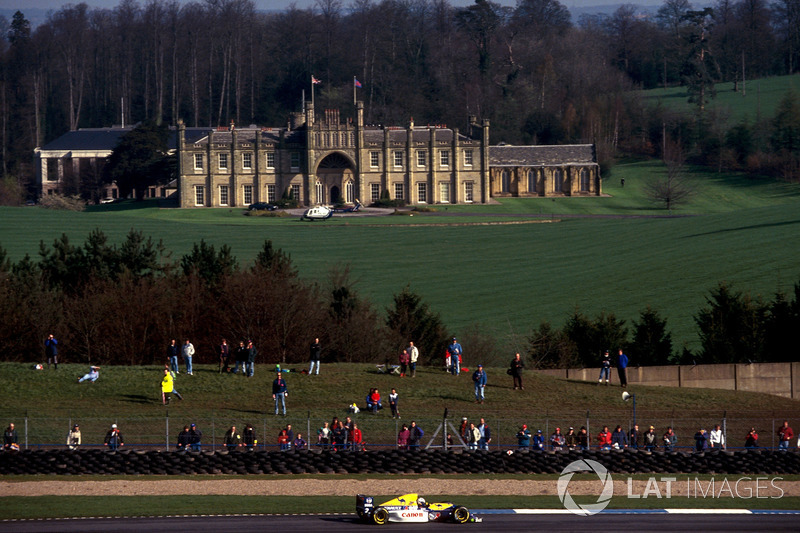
pixel 673 188
pixel 275 260
pixel 138 161
pixel 699 70
pixel 412 320
pixel 652 343
pixel 210 266
pixel 549 347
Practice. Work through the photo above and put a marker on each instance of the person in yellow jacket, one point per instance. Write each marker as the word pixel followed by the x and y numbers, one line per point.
pixel 167 385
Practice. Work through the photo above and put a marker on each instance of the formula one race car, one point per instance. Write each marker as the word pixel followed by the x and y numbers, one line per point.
pixel 411 508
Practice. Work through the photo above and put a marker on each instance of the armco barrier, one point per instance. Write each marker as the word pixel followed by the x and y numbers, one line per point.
pixel 136 462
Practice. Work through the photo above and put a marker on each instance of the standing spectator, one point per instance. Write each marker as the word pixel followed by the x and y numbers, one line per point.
pixel 716 439
pixel 464 429
pixel 481 427
pixel 618 438
pixel 605 368
pixel 167 386
pixel 251 359
pixel 184 439
pixel 486 437
pixel 751 440
pixel 538 441
pixel 785 434
pixel 650 439
pixel 315 356
pixel 195 436
pixel 357 438
pixel 671 439
pixel 413 357
pixel 402 437
pixel 700 440
pixel 339 436
pixel 10 438
pixel 415 433
pixel 172 355
pixel 583 438
pixel 51 351
pixel 249 438
pixel 240 355
pixel 283 440
pixel 393 398
pixel 454 351
pixel 289 432
pixel 571 438
pixel 557 440
pixel 324 436
pixel 524 437
pixel 622 369
pixel 279 393
pixel 299 443
pixel 604 439
pixel 634 436
pixel 174 377
pixel 474 436
pixel 188 353
pixel 113 438
pixel 479 378
pixel 91 376
pixel 224 356
pixel 74 437
pixel 405 360
pixel 232 439
pixel 516 371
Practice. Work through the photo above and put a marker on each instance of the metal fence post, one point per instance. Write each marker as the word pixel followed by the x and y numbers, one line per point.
pixel 166 431
pixel 26 430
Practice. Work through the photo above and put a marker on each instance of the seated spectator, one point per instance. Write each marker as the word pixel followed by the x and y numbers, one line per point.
pixel 374 401
pixel 94 373
pixel 604 439
pixel 583 438
pixel 751 441
pixel 299 443
pixel 524 437
pixel 571 438
pixel 670 440
pixel 113 438
pixel 357 438
pixel 232 439
pixel 249 439
pixel 538 441
pixel 650 443
pixel 402 438
pixel 195 436
pixel 283 440
pixel 618 438
pixel 701 440
pixel 324 436
pixel 557 440
pixel 10 440
pixel 74 437
pixel 184 439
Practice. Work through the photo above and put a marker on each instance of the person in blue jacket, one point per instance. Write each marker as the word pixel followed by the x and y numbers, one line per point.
pixel 454 351
pixel 279 393
pixel 538 441
pixel 479 377
pixel 51 351
pixel 622 368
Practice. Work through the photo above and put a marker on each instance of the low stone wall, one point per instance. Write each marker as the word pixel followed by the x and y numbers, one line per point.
pixel 628 461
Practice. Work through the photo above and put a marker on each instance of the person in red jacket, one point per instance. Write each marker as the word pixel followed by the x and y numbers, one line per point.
pixel 785 434
pixel 357 438
pixel 604 439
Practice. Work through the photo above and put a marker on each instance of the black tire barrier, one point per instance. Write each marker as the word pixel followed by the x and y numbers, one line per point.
pixel 139 462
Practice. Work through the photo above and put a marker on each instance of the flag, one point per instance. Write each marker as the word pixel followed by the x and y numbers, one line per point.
pixel 315 81
pixel 356 83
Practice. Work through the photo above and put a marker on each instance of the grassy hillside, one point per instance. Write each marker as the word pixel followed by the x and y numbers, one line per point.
pixel 129 396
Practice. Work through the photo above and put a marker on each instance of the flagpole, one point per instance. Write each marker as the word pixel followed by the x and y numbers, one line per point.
pixel 312 93
pixel 354 90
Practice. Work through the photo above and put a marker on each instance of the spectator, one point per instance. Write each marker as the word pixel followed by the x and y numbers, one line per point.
pixel 516 371
pixel 184 439
pixel 405 360
pixel 240 355
pixel 91 376
pixel 74 437
pixel 283 440
pixel 716 440
pixel 604 439
pixel 113 438
pixel 413 357
pixel 299 443
pixel 249 438
pixel 605 368
pixel 751 440
pixel 232 439
pixel 670 439
pixel 279 393
pixel 481 427
pixel 357 438
pixel 464 429
pixel 374 401
pixel 195 436
pixel 289 433
pixel 415 433
pixel 571 438
pixel 622 369
pixel 167 386
pixel 700 440
pixel 474 436
pixel 172 355
pixel 557 440
pixel 174 377
pixel 449 439
pixel 785 434
pixel 188 353
pixel 224 356
pixel 650 439
pixel 524 437
pixel 486 437
pixel 339 436
pixel 634 436
pixel 618 438
pixel 402 437
pixel 324 436
pixel 316 352
pixel 251 359
pixel 538 441
pixel 479 378
pixel 454 351
pixel 583 438
pixel 10 441
pixel 393 397
pixel 51 351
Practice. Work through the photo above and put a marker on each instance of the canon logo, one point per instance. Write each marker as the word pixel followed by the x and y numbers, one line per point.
pixel 412 514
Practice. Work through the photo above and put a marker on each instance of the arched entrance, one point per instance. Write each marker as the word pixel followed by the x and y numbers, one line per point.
pixel 336 195
pixel 333 171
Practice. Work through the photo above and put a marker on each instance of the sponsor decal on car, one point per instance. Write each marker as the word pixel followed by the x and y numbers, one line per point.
pixel 412 514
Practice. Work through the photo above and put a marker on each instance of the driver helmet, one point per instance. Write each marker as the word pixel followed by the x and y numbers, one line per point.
pixel 421 502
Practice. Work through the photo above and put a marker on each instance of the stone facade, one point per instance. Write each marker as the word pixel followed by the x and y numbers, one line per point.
pixel 548 171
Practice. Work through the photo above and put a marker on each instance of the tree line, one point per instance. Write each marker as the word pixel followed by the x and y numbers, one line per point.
pixel 540 76
pixel 122 304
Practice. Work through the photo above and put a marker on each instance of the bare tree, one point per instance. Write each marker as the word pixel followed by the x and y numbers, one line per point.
pixel 673 188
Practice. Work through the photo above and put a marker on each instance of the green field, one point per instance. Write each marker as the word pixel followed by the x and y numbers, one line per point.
pixel 506 278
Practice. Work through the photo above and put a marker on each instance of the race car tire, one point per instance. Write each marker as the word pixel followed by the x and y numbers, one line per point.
pixel 461 515
pixel 380 516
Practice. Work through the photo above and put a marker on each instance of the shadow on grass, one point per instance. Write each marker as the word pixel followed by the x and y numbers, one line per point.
pixel 137 398
pixel 742 228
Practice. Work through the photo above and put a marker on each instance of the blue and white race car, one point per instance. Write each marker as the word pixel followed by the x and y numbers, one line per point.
pixel 411 508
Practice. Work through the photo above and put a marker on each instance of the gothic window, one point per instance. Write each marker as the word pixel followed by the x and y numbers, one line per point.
pixel 349 191
pixel 320 191
pixel 505 186
pixel 584 180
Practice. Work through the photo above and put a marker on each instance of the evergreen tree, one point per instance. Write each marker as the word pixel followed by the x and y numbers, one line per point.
pixel 412 320
pixel 652 343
